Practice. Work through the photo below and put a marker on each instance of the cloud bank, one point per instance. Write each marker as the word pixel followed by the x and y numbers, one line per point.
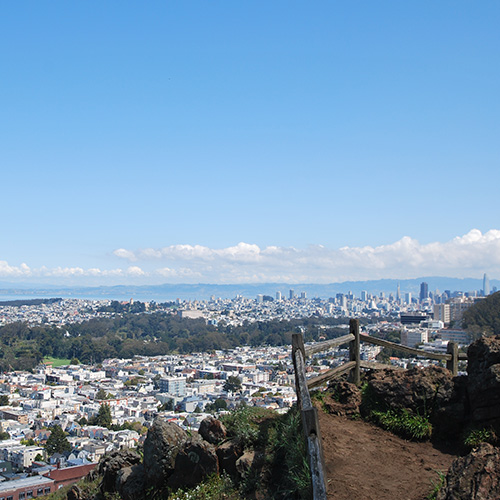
pixel 464 256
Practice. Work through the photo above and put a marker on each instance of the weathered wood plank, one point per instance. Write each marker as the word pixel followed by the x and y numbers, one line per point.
pixel 327 344
pixel 330 374
pixel 303 396
pixel 354 352
pixel 373 365
pixel 317 468
pixel 403 348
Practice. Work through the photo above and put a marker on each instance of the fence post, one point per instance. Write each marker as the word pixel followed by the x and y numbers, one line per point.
pixel 298 345
pixel 354 355
pixel 452 364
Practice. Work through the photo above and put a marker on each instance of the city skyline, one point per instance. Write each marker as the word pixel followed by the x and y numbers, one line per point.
pixel 233 143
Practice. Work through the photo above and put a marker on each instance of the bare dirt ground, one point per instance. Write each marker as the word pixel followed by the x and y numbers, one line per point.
pixel 364 462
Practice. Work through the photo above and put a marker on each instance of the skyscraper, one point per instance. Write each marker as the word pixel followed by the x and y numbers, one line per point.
pixel 486 285
pixel 424 291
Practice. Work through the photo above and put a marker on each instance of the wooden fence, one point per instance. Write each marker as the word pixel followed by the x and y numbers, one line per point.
pixel 309 414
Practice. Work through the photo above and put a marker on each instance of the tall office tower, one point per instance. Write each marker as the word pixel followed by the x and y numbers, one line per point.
pixel 398 293
pixel 486 285
pixel 424 291
pixel 303 295
pixel 408 297
pixel 278 296
pixel 291 294
pixel 364 295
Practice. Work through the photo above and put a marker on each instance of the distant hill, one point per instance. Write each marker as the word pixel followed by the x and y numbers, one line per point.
pixel 203 291
pixel 484 316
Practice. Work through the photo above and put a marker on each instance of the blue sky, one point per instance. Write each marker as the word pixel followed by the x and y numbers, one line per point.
pixel 248 141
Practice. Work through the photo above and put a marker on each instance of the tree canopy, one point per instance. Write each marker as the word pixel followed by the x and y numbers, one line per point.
pixel 57 441
pixel 232 384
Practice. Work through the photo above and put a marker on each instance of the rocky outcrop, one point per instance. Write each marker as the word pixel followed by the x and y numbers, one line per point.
pixel 484 382
pixel 194 462
pixel 345 399
pixel 111 465
pixel 130 483
pixel 212 430
pixel 419 390
pixel 228 453
pixel 163 442
pixel 474 477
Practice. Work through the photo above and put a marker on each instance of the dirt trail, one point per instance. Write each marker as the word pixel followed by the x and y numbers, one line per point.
pixel 364 462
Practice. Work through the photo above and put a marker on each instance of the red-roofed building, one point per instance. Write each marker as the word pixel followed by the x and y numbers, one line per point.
pixel 69 475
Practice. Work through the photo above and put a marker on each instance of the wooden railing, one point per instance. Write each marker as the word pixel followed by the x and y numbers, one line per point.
pixel 309 414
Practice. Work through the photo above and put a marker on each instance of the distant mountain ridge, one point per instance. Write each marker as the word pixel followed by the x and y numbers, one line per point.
pixel 204 291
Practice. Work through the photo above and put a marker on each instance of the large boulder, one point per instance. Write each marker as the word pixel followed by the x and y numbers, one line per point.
pixel 111 465
pixel 418 389
pixel 130 483
pixel 193 463
pixel 474 477
pixel 212 430
pixel 484 382
pixel 162 444
pixel 228 453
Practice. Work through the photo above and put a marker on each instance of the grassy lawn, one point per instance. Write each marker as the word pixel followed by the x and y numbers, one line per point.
pixel 57 361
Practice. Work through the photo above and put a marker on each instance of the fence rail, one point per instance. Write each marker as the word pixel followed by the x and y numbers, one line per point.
pixel 309 414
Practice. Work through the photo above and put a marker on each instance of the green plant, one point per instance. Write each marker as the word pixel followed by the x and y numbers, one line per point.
pixel 243 424
pixel 214 488
pixel 477 436
pixel 437 485
pixel 291 475
pixel 404 424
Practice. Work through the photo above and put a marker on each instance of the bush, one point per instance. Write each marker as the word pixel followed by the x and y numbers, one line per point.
pixel 244 424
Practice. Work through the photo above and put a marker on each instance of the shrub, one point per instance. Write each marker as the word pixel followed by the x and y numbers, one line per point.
pixel 244 424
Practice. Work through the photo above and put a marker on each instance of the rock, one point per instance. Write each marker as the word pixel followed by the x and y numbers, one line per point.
pixel 193 464
pixel 228 453
pixel 74 493
pixel 163 443
pixel 212 430
pixel 420 390
pixel 110 466
pixel 244 463
pixel 130 483
pixel 474 477
pixel 484 382
pixel 345 400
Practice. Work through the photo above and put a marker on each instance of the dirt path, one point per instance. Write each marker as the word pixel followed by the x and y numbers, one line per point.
pixel 364 462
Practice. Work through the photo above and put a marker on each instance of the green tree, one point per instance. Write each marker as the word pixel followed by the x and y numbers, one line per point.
pixel 4 400
pixel 104 418
pixel 168 405
pixel 57 442
pixel 233 384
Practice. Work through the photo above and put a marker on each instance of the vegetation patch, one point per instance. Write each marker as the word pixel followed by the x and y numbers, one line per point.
pixel 214 488
pixel 56 362
pixel 437 485
pixel 404 424
pixel 248 424
pixel 477 436
pixel 400 422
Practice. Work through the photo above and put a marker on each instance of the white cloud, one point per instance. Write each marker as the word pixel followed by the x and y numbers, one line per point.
pixel 463 256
